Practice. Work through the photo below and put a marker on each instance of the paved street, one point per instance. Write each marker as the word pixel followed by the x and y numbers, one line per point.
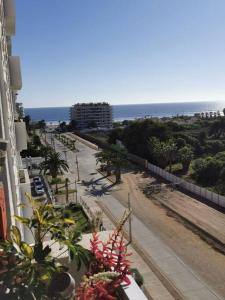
pixel 92 185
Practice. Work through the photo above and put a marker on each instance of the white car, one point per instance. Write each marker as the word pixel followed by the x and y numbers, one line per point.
pixel 39 190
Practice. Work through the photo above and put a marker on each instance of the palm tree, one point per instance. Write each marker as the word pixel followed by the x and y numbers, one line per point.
pixel 104 158
pixel 54 164
pixel 170 151
pixel 118 160
pixel 114 157
pixel 185 155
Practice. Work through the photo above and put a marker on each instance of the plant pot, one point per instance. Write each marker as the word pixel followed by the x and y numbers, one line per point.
pixel 63 284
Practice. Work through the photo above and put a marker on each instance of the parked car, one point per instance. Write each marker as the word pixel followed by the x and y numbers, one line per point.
pixel 39 190
pixel 38 184
pixel 36 178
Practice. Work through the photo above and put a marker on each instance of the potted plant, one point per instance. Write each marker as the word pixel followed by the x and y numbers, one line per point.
pixel 27 270
pixel 109 269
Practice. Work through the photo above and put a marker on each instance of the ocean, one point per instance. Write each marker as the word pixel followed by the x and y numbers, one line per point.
pixel 130 111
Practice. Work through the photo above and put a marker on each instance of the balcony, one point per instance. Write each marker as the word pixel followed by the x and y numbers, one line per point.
pixel 10 17
pixel 21 136
pixel 15 73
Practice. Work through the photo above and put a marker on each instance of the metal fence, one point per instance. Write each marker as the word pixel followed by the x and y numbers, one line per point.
pixel 188 186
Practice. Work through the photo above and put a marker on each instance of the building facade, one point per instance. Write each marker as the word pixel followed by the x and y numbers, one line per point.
pixel 90 115
pixel 13 137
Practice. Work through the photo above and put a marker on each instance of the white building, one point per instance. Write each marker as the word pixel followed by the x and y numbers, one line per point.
pixel 13 137
pixel 89 115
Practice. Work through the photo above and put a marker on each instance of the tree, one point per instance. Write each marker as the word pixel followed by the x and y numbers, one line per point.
pixel 54 164
pixel 104 157
pixel 207 170
pixel 36 141
pixel 115 158
pixel 170 150
pixel 63 126
pixel 118 160
pixel 180 142
pixel 218 127
pixel 202 137
pixel 114 135
pixel 185 156
pixel 73 124
pixel 163 153
pixel 224 111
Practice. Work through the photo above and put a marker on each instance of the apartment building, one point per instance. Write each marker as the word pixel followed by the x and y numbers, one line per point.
pixel 89 115
pixel 14 179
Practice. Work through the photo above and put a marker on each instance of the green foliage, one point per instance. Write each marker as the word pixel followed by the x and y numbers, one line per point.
pixel 115 157
pixel 217 128
pixel 136 135
pixel 180 142
pixel 54 164
pixel 202 137
pixel 115 135
pixel 34 265
pixel 185 156
pixel 207 170
pixel 163 153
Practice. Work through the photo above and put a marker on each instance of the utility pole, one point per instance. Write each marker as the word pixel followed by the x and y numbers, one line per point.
pixel 76 190
pixel 67 190
pixel 130 229
pixel 78 173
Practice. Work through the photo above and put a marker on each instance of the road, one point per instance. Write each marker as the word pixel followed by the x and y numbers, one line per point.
pixel 189 282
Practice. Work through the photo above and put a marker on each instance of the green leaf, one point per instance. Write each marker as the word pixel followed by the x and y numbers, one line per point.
pixel 15 235
pixel 26 250
pixel 22 220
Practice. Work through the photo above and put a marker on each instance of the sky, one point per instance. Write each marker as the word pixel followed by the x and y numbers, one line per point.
pixel 120 51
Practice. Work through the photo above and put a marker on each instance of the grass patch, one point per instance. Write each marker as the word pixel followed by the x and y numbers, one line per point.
pixel 63 192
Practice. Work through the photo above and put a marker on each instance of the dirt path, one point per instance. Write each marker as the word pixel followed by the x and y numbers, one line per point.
pixel 204 260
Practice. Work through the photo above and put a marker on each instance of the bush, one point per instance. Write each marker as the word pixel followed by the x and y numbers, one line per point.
pixel 207 171
pixel 213 147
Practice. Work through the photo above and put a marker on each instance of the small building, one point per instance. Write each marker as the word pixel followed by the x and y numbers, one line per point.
pixel 91 115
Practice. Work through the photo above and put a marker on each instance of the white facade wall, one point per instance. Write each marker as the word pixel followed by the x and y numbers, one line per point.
pixel 10 82
pixel 87 113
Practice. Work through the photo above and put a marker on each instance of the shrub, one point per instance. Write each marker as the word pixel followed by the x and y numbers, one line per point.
pixel 207 171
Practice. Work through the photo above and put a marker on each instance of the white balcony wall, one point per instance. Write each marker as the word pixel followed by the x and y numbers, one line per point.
pixel 21 136
pixel 10 17
pixel 15 73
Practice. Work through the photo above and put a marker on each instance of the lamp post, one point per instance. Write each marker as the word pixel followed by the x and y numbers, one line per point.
pixel 76 190
pixel 130 229
pixel 78 173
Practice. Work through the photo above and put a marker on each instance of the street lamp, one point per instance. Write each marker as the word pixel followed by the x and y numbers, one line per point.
pixel 78 173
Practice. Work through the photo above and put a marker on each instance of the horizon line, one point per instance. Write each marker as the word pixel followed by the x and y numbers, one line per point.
pixel 167 102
